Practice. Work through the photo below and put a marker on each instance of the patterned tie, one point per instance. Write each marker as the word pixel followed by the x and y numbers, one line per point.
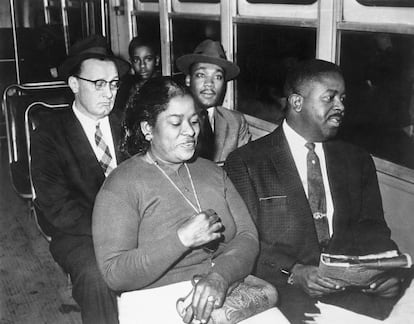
pixel 316 196
pixel 206 149
pixel 104 155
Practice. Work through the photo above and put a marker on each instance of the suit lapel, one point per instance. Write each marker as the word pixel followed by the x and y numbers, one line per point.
pixel 115 123
pixel 81 148
pixel 290 180
pixel 337 177
pixel 220 132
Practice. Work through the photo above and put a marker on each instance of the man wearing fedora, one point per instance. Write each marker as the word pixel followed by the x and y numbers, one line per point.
pixel 207 71
pixel 72 153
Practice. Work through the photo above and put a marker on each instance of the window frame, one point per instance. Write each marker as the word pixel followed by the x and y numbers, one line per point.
pixel 289 11
pixel 196 8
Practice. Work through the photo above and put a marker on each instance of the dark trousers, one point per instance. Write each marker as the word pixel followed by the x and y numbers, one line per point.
pixel 75 254
pixel 294 303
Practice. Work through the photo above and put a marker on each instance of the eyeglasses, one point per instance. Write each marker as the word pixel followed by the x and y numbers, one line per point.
pixel 101 84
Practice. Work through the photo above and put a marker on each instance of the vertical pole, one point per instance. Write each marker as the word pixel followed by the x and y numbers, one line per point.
pixel 166 36
pixel 14 30
pixel 227 11
pixel 65 24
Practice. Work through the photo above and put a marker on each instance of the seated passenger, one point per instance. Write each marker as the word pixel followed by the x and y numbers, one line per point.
pixel 145 62
pixel 165 216
pixel 309 193
pixel 207 71
pixel 72 154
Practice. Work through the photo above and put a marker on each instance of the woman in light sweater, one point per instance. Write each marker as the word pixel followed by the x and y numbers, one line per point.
pixel 164 215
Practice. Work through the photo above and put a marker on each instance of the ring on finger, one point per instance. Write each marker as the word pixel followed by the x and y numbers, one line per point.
pixel 211 299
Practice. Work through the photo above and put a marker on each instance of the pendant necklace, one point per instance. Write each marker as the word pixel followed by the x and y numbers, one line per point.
pixel 197 208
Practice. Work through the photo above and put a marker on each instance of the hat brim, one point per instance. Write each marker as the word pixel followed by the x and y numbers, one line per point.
pixel 184 63
pixel 70 63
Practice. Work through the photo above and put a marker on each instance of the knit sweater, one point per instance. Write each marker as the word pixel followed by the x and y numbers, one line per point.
pixel 137 214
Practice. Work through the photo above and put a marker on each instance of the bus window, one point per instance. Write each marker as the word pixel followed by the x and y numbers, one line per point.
pixel 283 1
pixel 379 75
pixel 205 1
pixel 264 55
pixel 387 3
pixel 188 33
pixel 197 7
pixel 86 12
pixel 148 27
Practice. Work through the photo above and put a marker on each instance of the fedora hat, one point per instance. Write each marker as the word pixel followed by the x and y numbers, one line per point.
pixel 94 46
pixel 208 51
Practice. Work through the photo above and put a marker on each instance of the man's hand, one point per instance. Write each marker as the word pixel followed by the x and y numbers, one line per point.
pixel 385 286
pixel 306 276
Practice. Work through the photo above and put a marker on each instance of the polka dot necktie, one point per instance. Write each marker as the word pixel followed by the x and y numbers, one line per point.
pixel 317 197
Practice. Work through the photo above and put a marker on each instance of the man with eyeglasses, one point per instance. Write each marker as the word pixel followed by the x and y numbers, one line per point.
pixel 72 154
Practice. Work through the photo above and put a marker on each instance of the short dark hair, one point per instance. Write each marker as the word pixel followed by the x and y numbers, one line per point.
pixel 140 41
pixel 306 71
pixel 145 105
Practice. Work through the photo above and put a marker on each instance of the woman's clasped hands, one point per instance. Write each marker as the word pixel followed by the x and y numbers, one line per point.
pixel 200 229
pixel 209 293
pixel 209 290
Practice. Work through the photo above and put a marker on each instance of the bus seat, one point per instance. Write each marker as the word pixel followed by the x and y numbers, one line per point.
pixel 35 113
pixel 16 99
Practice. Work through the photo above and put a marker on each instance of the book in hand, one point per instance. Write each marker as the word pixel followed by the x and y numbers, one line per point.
pixel 361 271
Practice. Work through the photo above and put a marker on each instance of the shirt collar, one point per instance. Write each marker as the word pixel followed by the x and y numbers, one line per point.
pixel 86 120
pixel 295 140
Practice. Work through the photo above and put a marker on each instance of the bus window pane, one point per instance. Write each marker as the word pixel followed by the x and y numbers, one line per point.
pixel 148 1
pixel 387 3
pixel 379 76
pixel 299 2
pixel 264 54
pixel 148 27
pixel 188 33
pixel 204 1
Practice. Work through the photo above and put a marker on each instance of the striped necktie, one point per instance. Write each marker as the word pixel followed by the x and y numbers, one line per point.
pixel 104 155
pixel 317 197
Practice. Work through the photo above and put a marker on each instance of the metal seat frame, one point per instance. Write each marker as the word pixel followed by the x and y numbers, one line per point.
pixel 38 92
pixel 30 126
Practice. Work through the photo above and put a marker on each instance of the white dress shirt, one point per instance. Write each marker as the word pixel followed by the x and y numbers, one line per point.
pixel 299 152
pixel 89 127
pixel 210 112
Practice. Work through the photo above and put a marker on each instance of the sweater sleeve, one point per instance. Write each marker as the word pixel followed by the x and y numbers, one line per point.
pixel 124 264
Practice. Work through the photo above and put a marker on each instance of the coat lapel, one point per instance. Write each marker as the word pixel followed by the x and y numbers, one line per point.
pixel 289 178
pixel 81 148
pixel 337 176
pixel 115 122
pixel 221 129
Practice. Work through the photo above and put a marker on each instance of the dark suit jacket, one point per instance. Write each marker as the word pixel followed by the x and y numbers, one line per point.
pixel 65 172
pixel 265 175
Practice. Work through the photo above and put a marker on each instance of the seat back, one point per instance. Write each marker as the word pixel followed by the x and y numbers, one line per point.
pixel 35 113
pixel 16 99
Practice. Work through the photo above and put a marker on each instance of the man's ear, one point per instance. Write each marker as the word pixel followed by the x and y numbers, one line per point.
pixel 73 84
pixel 157 60
pixel 187 80
pixel 295 101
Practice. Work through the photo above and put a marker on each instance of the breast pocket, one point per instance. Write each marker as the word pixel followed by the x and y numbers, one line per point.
pixel 272 215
